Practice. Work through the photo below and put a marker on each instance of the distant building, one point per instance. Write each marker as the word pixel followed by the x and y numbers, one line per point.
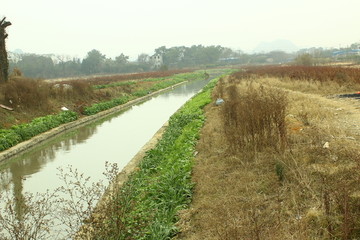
pixel 346 52
pixel 156 61
pixel 229 60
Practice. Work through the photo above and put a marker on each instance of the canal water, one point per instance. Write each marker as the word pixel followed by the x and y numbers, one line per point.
pixel 114 139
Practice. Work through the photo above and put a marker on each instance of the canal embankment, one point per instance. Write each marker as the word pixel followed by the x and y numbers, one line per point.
pixel 144 201
pixel 89 146
pixel 23 146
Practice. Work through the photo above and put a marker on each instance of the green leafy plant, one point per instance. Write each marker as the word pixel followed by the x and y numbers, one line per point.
pixel 22 132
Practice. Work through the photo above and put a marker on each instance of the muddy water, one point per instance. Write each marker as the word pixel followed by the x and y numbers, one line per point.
pixel 115 139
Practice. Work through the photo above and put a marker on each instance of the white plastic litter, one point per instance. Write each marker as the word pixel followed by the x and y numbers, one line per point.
pixel 219 101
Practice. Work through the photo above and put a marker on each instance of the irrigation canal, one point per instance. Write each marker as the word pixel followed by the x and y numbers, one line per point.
pixel 114 139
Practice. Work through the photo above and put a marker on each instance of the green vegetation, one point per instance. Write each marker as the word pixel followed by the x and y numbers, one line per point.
pixel 22 132
pixel 115 84
pixel 98 107
pixel 127 83
pixel 146 206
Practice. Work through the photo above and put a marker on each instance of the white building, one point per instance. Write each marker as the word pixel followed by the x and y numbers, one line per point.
pixel 156 60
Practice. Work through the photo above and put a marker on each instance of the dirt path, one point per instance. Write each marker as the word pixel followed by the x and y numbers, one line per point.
pixel 224 184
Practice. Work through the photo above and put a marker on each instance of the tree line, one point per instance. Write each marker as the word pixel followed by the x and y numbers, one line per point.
pixel 56 66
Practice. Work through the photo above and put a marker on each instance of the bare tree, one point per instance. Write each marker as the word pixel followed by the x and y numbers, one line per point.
pixel 4 63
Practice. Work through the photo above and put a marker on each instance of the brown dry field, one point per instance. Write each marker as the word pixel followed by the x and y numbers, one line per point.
pixel 237 196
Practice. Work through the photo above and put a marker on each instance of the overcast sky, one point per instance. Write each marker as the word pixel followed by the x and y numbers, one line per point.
pixel 74 27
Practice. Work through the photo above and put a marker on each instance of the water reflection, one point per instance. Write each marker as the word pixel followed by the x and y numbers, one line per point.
pixel 33 161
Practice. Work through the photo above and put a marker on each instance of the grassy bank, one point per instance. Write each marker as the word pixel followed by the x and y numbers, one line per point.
pixel 146 206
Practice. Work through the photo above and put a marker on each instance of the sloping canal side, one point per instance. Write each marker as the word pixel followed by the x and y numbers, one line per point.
pixel 146 205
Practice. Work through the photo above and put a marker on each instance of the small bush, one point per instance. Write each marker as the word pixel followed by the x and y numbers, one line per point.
pixel 72 90
pixel 255 118
pixel 27 93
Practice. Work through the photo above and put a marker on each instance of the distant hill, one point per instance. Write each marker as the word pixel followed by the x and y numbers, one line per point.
pixel 18 51
pixel 280 44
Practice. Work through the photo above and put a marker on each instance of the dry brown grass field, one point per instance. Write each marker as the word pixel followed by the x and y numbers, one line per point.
pixel 280 159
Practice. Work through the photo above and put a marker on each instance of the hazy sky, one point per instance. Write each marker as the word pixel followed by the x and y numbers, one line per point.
pixel 74 27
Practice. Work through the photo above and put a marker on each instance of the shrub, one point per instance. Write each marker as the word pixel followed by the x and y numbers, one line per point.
pixel 72 90
pixel 255 118
pixel 304 60
pixel 27 93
